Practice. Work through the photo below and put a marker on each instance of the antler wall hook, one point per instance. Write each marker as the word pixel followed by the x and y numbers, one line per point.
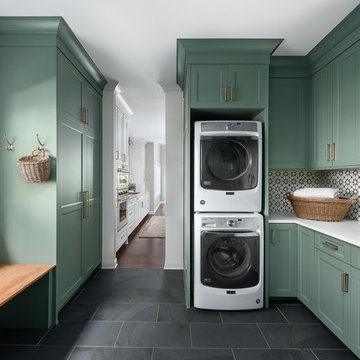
pixel 9 146
pixel 41 147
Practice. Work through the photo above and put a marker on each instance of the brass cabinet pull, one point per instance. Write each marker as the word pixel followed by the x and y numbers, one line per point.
pixel 334 151
pixel 87 116
pixel 84 207
pixel 231 94
pixel 88 204
pixel 83 115
pixel 345 282
pixel 328 150
pixel 273 236
pixel 224 94
pixel 330 245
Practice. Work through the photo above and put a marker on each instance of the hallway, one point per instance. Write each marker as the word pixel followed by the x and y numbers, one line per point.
pixel 143 252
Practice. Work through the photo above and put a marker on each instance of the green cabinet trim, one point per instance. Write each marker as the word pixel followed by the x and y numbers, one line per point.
pixel 48 31
pixel 283 260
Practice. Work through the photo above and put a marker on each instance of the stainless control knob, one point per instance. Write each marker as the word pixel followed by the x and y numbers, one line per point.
pixel 231 223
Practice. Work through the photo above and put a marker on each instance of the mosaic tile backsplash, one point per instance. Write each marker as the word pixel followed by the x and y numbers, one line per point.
pixel 280 182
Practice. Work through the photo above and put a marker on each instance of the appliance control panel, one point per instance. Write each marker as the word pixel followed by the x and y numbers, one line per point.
pixel 230 223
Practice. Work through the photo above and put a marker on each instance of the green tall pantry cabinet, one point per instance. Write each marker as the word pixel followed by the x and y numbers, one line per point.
pixel 50 86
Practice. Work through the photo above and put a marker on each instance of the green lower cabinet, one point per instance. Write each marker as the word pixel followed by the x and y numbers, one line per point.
pixel 355 310
pixel 283 260
pixel 332 296
pixel 305 261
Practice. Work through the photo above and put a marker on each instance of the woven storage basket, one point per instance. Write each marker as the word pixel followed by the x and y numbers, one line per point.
pixel 320 209
pixel 35 168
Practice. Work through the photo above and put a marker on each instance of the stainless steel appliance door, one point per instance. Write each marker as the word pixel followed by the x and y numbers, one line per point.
pixel 122 216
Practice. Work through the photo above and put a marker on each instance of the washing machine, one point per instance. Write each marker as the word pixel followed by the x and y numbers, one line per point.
pixel 228 261
pixel 227 166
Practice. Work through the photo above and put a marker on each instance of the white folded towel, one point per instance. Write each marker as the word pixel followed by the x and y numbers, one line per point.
pixel 323 193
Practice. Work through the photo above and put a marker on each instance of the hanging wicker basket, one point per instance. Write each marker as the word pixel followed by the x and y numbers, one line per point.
pixel 320 209
pixel 35 168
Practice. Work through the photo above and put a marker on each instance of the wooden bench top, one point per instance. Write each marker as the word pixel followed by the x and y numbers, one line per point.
pixel 14 278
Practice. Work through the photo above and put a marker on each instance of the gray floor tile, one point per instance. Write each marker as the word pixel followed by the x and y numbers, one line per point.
pixel 298 314
pixel 227 336
pixel 78 311
pixel 269 354
pixel 300 336
pixel 158 296
pixel 121 274
pixel 267 316
pixel 335 355
pixel 179 313
pixel 83 333
pixel 127 312
pixel 192 354
pixel 21 336
pixel 98 295
pixel 95 353
pixel 154 335
pixel 35 352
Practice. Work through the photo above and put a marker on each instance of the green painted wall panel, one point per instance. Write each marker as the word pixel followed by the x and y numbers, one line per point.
pixel 27 107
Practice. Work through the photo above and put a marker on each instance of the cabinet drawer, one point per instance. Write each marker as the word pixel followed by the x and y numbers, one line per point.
pixel 131 202
pixel 333 247
pixel 355 256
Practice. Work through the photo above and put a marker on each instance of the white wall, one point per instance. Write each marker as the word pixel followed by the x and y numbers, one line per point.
pixel 174 176
pixel 163 173
pixel 137 163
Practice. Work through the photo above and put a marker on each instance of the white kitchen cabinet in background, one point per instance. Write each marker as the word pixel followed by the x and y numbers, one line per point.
pixel 138 208
pixel 121 138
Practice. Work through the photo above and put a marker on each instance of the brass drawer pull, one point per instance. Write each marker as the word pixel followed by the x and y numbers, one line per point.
pixel 345 282
pixel 83 115
pixel 328 150
pixel 273 236
pixel 231 94
pixel 330 245
pixel 334 151
pixel 224 94
pixel 84 207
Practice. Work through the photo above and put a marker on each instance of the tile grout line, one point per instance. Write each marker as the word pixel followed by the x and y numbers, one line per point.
pixel 98 307
pixel 71 352
pixel 257 325
pixel 157 315
pixel 282 314
pixel 82 290
pixel 190 333
pixel 118 335
pixel 311 350
pixel 152 354
pixel 233 354
pixel 44 336
pixel 221 318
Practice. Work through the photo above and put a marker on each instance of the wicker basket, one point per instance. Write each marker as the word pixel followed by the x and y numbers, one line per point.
pixel 35 168
pixel 320 209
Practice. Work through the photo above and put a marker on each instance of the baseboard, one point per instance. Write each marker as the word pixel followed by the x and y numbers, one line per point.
pixel 156 209
pixel 111 265
pixel 173 265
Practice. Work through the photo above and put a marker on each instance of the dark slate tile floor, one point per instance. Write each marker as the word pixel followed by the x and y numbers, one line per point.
pixel 133 314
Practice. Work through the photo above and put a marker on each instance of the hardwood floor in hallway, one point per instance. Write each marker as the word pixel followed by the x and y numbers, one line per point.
pixel 143 252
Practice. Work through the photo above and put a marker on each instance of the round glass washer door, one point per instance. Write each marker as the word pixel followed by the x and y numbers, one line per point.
pixel 230 257
pixel 228 160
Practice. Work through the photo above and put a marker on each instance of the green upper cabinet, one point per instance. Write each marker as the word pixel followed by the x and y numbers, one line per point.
pixel 238 86
pixel 305 262
pixel 283 260
pixel 346 108
pixel 321 118
pixel 335 127
pixel 92 105
pixel 332 296
pixel 287 123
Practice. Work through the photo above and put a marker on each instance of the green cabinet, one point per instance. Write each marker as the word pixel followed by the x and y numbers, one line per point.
pixel 332 297
pixel 229 86
pixel 321 118
pixel 283 260
pixel 79 158
pixel 335 115
pixel 355 310
pixel 288 114
pixel 305 261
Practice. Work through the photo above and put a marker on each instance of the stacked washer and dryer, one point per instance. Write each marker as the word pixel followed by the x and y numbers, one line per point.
pixel 228 239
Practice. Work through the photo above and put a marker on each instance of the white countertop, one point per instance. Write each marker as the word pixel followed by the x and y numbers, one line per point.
pixel 346 230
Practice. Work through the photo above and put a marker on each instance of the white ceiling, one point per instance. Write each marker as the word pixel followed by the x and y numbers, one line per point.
pixel 134 42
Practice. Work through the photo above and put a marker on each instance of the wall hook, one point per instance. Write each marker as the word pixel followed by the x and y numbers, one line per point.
pixel 10 146
pixel 41 147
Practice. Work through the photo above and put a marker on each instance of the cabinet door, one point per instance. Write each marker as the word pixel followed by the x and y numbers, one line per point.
pixel 248 84
pixel 117 135
pixel 92 223
pixel 283 260
pixel 92 102
pixel 346 108
pixel 332 303
pixel 321 118
pixel 287 123
pixel 207 86
pixel 124 141
pixel 355 310
pixel 306 250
